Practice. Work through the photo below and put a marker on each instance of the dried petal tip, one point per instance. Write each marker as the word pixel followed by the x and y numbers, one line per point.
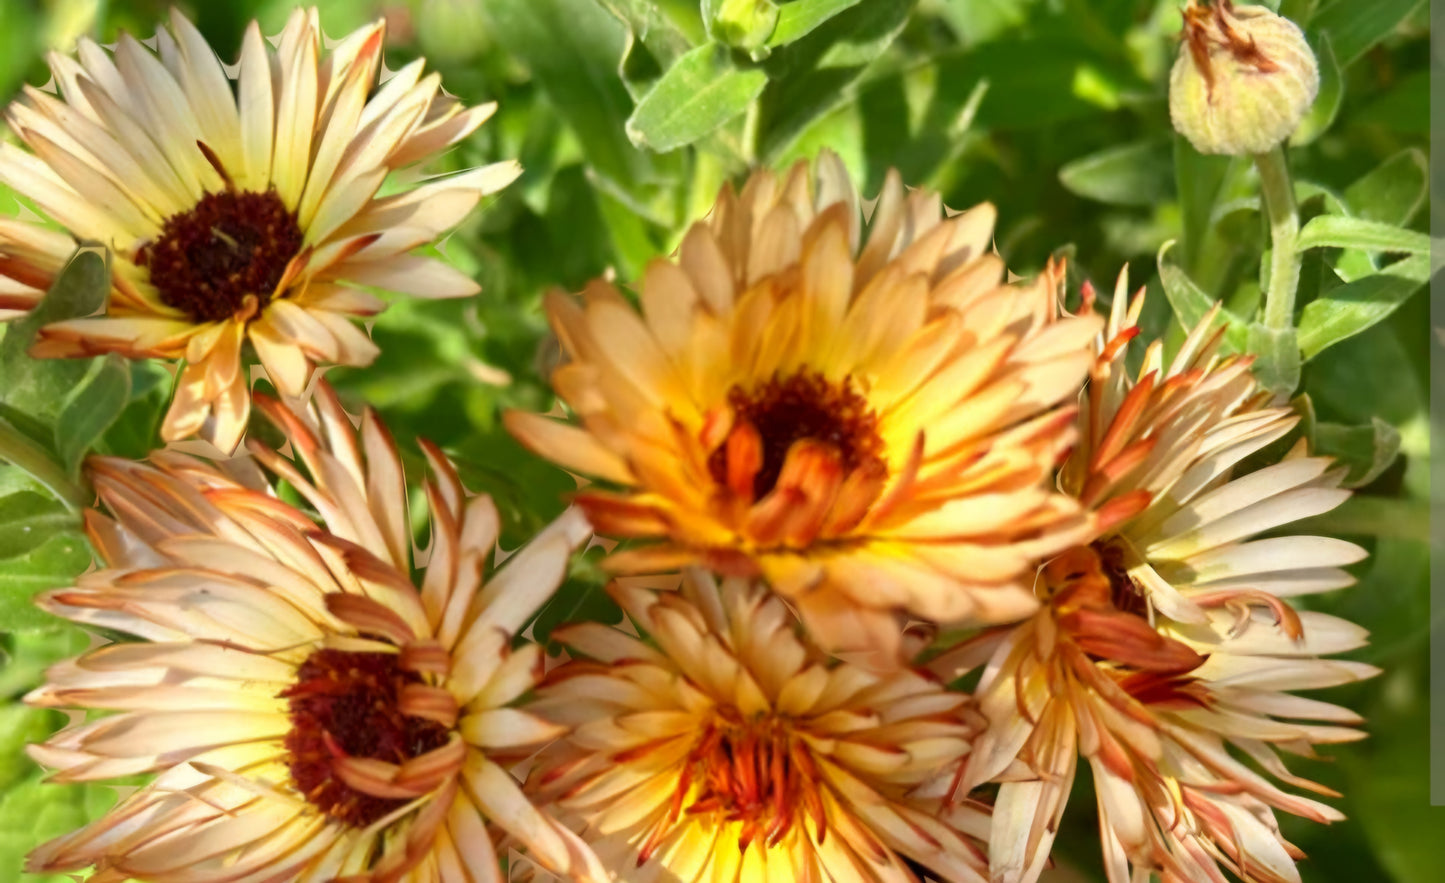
pixel 1244 78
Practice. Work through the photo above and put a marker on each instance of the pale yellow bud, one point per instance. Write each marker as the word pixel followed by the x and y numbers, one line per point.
pixel 1244 79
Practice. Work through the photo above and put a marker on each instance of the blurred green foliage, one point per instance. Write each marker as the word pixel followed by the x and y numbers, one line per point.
pixel 629 114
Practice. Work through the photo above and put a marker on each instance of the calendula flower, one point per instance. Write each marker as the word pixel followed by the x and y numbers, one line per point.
pixel 1166 648
pixel 240 207
pixel 310 713
pixel 869 422
pixel 729 748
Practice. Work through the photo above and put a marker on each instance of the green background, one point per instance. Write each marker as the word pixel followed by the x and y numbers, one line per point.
pixel 629 114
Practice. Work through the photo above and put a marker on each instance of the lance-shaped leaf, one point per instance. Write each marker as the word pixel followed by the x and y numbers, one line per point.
pixel 1349 309
pixel 1337 231
pixel 1367 450
pixel 91 409
pixel 703 90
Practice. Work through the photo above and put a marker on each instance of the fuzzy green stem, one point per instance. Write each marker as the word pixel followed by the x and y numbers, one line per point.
pixel 31 458
pixel 1277 191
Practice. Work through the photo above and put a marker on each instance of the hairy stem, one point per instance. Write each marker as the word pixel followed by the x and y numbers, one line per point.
pixel 1277 191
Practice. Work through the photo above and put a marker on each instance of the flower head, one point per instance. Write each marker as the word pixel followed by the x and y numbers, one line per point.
pixel 730 748
pixel 869 422
pixel 240 208
pixel 309 712
pixel 1244 79
pixel 1167 644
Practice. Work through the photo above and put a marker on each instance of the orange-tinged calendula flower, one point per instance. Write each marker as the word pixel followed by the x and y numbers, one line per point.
pixel 726 746
pixel 310 713
pixel 1166 648
pixel 241 207
pixel 865 415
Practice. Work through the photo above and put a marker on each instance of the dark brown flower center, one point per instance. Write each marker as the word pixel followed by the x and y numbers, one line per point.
pixel 230 245
pixel 804 405
pixel 755 773
pixel 346 704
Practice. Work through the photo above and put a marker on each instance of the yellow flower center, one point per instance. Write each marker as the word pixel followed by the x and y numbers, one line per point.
pixel 227 248
pixel 346 704
pixel 786 410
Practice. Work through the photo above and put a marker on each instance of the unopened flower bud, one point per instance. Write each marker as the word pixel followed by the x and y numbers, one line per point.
pixel 744 24
pixel 1244 78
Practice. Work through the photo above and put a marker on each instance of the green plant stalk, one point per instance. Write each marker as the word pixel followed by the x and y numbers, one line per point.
pixel 19 450
pixel 1277 191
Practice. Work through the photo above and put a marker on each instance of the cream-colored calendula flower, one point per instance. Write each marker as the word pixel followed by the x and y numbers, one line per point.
pixel 866 419
pixel 726 747
pixel 1166 649
pixel 241 207
pixel 309 712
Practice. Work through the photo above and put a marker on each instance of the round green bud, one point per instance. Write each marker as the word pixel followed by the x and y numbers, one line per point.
pixel 1244 79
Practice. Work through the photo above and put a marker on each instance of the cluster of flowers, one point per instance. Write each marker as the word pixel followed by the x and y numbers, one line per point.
pixel 852 462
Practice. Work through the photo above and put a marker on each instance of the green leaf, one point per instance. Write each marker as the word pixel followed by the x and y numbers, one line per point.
pixel 1404 109
pixel 56 562
pixel 1370 375
pixel 700 92
pixel 653 43
pixel 1191 303
pixel 1367 450
pixel 1393 191
pixel 1353 27
pixel 1277 358
pixel 1199 179
pixel 91 409
pixel 36 811
pixel 978 21
pixel 1327 103
pixel 1389 787
pixel 28 519
pixel 18 447
pixel 79 290
pixel 1141 173
pixel 816 74
pixel 1337 231
pixel 798 19
pixel 19 726
pixel 39 386
pixel 24 656
pixel 572 48
pixel 1349 309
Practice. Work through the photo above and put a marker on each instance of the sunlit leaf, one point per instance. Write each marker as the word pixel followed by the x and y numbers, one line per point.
pixel 1191 303
pixel 798 18
pixel 29 519
pixel 703 90
pixel 1335 231
pixel 1346 311
pixel 55 562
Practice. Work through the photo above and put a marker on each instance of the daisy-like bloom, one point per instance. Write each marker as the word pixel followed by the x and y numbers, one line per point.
pixel 730 749
pixel 1166 649
pixel 869 422
pixel 240 207
pixel 310 712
